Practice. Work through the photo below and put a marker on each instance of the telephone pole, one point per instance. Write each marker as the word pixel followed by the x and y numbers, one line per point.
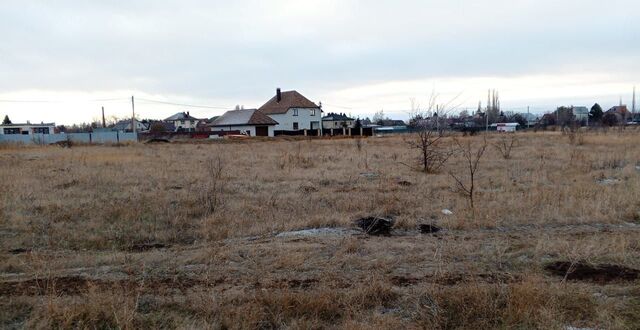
pixel 133 115
pixel 528 116
pixel 104 122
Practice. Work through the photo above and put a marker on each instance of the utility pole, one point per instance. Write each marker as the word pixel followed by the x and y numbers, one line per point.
pixel 104 122
pixel 528 116
pixel 133 116
pixel 633 104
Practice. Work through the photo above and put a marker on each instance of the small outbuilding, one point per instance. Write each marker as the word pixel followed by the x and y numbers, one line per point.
pixel 505 127
pixel 251 122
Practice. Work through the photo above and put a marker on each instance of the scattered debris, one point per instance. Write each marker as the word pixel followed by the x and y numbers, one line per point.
pixel 602 273
pixel 19 251
pixel 141 247
pixel 608 181
pixel 426 228
pixel 446 212
pixel 318 232
pixel 175 187
pixel 375 225
pixel 370 175
pixel 405 183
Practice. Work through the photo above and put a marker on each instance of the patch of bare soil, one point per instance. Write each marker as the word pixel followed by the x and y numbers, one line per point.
pixel 455 279
pixel 74 285
pixel 141 247
pixel 603 273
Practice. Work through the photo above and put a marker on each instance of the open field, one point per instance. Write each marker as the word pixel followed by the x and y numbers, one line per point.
pixel 186 235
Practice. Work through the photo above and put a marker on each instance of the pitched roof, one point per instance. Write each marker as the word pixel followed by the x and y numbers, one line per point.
pixel 289 99
pixel 243 117
pixel 181 116
pixel 336 116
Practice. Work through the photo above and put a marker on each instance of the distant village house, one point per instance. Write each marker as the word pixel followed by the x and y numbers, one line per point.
pixel 27 128
pixel 183 122
pixel 292 111
pixel 337 120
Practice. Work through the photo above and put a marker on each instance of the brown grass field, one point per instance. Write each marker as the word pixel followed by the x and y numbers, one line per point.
pixel 184 235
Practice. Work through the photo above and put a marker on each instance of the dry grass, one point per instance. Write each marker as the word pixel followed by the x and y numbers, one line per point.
pixel 182 235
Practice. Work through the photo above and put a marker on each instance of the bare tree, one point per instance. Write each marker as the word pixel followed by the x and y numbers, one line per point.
pixel 428 140
pixel 505 145
pixel 472 158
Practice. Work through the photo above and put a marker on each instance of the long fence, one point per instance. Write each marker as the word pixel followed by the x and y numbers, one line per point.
pixel 95 137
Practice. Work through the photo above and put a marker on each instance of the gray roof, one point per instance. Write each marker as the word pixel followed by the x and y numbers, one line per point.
pixel 243 117
pixel 336 116
pixel 181 116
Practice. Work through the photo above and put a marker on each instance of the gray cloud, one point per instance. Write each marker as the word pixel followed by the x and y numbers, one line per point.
pixel 207 49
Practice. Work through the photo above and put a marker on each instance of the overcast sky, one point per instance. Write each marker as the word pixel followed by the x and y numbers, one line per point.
pixel 356 57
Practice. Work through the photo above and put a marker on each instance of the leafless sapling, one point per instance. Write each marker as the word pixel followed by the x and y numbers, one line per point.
pixel 471 158
pixel 429 135
pixel 506 144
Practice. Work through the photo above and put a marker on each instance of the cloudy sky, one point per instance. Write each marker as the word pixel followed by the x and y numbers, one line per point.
pixel 62 60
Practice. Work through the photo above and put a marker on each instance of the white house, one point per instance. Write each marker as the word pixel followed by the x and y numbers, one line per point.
pixel 183 122
pixel 251 122
pixel 28 128
pixel 292 111
pixel 581 113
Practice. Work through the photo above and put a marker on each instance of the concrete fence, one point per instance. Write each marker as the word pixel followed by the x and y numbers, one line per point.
pixel 96 137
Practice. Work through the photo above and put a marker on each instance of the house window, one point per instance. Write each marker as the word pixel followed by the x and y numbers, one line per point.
pixel 11 131
pixel 41 130
pixel 313 112
pixel 295 112
pixel 295 125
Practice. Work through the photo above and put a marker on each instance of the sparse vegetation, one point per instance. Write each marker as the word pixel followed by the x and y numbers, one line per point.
pixel 184 235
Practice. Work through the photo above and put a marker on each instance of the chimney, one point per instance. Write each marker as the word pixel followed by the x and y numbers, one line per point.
pixel 278 95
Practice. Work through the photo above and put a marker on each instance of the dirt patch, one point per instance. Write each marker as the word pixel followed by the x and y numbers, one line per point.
pixel 302 284
pixel 428 228
pixel 141 247
pixel 602 273
pixel 67 185
pixel 308 189
pixel 376 226
pixel 455 279
pixel 74 285
pixel 19 251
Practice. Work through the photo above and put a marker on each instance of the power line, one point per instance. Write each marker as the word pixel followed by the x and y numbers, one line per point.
pixel 185 104
pixel 338 106
pixel 63 101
